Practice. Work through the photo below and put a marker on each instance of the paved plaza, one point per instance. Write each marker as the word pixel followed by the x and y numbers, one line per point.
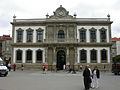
pixel 35 80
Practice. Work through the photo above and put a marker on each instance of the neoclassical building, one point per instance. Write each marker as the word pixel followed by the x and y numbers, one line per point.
pixel 62 39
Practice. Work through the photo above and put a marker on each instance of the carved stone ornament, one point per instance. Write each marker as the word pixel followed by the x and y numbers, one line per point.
pixel 61 12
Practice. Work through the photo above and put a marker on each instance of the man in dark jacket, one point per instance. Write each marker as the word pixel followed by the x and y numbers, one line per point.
pixel 87 79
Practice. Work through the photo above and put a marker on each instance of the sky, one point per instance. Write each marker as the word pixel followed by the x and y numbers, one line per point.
pixel 26 9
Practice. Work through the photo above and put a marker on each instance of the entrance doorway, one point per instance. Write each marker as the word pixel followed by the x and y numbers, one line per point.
pixel 61 59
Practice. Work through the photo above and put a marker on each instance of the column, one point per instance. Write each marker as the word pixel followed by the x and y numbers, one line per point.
pixel 107 35
pixel 98 56
pixel 34 36
pixel 33 56
pixel 54 55
pixel 67 35
pixel 15 36
pixel 78 56
pixel 98 36
pixel 75 55
pixel 108 54
pixel 46 55
pixel 88 56
pixel 67 57
pixel 43 55
pixel 14 55
pixel 24 36
pixel 24 56
pixel 87 36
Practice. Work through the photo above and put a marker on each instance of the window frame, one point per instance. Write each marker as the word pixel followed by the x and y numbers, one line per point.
pixel 83 59
pixel 82 37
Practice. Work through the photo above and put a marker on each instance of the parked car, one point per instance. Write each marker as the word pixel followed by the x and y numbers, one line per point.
pixel 116 65
pixel 3 68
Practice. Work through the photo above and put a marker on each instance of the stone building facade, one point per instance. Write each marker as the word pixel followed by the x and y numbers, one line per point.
pixel 115 47
pixel 62 39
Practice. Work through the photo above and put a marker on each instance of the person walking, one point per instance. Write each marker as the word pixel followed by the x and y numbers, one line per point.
pixel 22 67
pixel 90 75
pixel 9 67
pixel 14 67
pixel 96 76
pixel 87 79
pixel 43 67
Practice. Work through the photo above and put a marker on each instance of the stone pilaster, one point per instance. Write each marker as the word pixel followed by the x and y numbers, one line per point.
pixel 67 57
pixel 54 56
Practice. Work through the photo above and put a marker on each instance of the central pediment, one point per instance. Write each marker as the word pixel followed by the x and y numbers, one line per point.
pixel 61 12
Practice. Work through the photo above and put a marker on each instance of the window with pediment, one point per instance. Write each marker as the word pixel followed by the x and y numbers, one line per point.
pixel 93 56
pixel 61 34
pixel 103 34
pixel 82 35
pixel 29 35
pixel 83 56
pixel 29 56
pixel 19 56
pixel 19 35
pixel 103 56
pixel 92 35
pixel 39 35
pixel 39 55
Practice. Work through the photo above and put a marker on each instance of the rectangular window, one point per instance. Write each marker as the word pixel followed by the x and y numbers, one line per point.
pixel 82 36
pixel 92 36
pixel 39 36
pixel 19 36
pixel 103 35
pixel 29 36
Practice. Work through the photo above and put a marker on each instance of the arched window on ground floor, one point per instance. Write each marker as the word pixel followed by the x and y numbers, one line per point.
pixel 93 56
pixel 83 56
pixel 103 56
pixel 39 56
pixel 29 56
pixel 19 56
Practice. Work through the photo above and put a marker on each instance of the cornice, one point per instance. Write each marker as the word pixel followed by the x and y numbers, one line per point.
pixel 61 44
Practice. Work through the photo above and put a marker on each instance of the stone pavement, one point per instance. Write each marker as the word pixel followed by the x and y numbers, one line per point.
pixel 35 80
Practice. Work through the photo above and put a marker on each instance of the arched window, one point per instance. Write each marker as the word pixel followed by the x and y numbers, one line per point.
pixel 103 56
pixel 29 56
pixel 93 56
pixel 19 56
pixel 61 34
pixel 83 56
pixel 39 56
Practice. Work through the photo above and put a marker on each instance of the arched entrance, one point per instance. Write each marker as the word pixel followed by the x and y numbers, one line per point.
pixel 61 59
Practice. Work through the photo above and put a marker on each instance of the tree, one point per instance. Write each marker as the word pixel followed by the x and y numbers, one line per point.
pixel 116 59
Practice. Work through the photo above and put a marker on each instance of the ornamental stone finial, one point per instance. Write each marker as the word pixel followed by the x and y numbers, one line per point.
pixel 108 17
pixel 75 15
pixel 14 16
pixel 47 15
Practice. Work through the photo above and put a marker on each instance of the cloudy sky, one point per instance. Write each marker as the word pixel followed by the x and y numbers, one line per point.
pixel 25 9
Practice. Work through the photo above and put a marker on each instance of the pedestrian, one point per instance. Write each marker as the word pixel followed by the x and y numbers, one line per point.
pixel 90 75
pixel 9 67
pixel 43 67
pixel 46 68
pixel 81 67
pixel 87 79
pixel 22 67
pixel 14 67
pixel 96 76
